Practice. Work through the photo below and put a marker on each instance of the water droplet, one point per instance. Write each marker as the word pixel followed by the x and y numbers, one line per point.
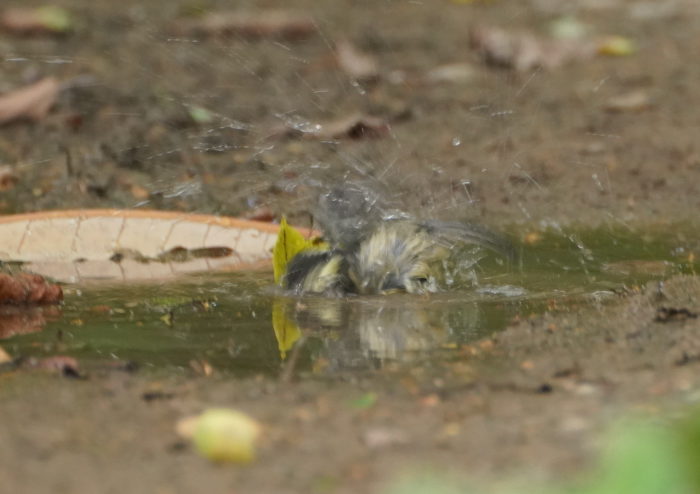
pixel 456 141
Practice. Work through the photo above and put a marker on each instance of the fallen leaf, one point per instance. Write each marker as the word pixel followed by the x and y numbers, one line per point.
pixel 281 24
pixel 55 240
pixel 567 27
pixel 288 244
pixel 27 288
pixel 356 126
pixel 354 63
pixel 201 115
pixel 8 179
pixel 451 73
pixel 4 356
pixel 383 437
pixel 222 435
pixel 32 102
pixel 524 51
pixel 616 46
pixel 201 367
pixel 49 19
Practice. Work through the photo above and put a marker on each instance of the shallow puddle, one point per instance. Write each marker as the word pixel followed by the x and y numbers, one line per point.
pixel 239 324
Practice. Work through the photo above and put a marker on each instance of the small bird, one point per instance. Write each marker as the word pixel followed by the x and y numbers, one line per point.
pixel 376 250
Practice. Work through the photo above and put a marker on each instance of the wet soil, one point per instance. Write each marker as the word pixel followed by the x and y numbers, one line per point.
pixel 523 151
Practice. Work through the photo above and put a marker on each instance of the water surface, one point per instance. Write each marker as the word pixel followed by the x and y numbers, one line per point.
pixel 240 325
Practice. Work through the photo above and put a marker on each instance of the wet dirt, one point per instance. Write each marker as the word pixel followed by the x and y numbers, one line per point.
pixel 532 153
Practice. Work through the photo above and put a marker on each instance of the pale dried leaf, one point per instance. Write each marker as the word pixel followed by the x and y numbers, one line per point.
pixel 201 367
pixel 32 102
pixel 354 63
pixel 4 356
pixel 281 24
pixel 524 51
pixel 383 437
pixel 634 101
pixel 353 126
pixel 455 73
pixel 133 244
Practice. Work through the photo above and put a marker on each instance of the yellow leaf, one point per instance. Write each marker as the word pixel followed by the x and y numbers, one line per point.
pixel 616 46
pixel 289 243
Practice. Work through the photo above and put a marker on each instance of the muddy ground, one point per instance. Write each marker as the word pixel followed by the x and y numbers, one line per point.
pixel 535 149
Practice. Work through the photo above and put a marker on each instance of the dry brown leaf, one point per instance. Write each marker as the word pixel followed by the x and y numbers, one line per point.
pixel 282 24
pixel 27 288
pixel 262 213
pixel 358 65
pixel 31 102
pixel 524 51
pixel 8 179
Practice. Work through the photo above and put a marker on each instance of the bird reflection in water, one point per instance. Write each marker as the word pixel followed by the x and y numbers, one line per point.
pixel 367 332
